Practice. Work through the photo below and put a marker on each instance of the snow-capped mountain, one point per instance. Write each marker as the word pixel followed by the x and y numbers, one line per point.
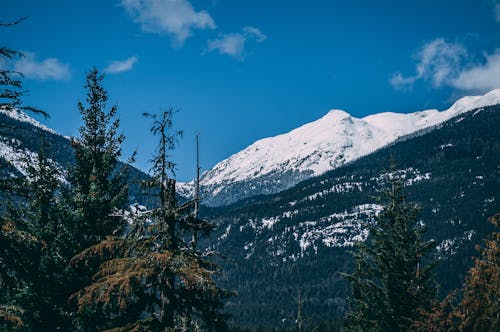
pixel 276 163
pixel 297 240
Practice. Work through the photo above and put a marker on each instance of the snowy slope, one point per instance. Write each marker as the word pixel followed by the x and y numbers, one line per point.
pixel 23 117
pixel 276 163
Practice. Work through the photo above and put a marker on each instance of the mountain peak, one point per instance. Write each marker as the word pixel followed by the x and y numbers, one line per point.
pixel 276 163
pixel 337 113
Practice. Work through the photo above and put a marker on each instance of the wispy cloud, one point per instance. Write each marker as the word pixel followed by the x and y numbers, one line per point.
pixel 233 44
pixel 121 66
pixel 480 77
pixel 253 32
pixel 437 61
pixel 176 18
pixel 48 69
pixel 447 64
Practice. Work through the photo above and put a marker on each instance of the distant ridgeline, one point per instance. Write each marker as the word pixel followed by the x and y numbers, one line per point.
pixel 21 138
pixel 274 164
pixel 296 241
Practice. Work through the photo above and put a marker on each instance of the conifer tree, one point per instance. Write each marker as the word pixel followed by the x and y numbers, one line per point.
pixel 390 282
pixel 45 303
pixel 98 186
pixel 479 309
pixel 149 279
pixel 39 295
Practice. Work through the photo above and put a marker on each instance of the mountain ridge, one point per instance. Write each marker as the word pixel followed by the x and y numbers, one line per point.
pixel 276 163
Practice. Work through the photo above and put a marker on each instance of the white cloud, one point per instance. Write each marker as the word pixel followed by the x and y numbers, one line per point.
pixel 437 61
pixel 481 77
pixel 398 81
pixel 48 69
pixel 233 44
pixel 174 17
pixel 121 66
pixel 253 32
pixel 444 64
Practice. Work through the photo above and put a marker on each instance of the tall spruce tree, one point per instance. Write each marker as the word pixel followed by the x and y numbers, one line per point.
pixel 150 279
pixel 97 182
pixel 391 284
pixel 98 186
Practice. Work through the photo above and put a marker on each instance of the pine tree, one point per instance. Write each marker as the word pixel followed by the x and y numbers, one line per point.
pixel 35 224
pixel 479 309
pixel 390 282
pixel 45 303
pixel 98 186
pixel 97 183
pixel 150 279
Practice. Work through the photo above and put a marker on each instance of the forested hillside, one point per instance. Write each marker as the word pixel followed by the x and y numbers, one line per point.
pixel 297 241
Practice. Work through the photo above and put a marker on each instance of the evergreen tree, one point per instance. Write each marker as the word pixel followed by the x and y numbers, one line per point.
pixel 150 279
pixel 98 186
pixel 45 303
pixel 479 309
pixel 39 295
pixel 390 283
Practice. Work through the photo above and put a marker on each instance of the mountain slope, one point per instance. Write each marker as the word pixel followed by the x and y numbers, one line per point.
pixel 298 240
pixel 277 163
pixel 20 139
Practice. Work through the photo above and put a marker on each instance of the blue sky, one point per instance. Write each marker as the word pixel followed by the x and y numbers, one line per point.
pixel 243 70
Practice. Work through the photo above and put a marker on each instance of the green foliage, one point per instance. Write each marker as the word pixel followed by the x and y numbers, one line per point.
pixel 391 284
pixel 97 186
pixel 39 294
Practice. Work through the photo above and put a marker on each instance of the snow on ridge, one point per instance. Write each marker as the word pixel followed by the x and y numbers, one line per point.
pixel 330 142
pixel 23 117
pixel 399 124
pixel 21 158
